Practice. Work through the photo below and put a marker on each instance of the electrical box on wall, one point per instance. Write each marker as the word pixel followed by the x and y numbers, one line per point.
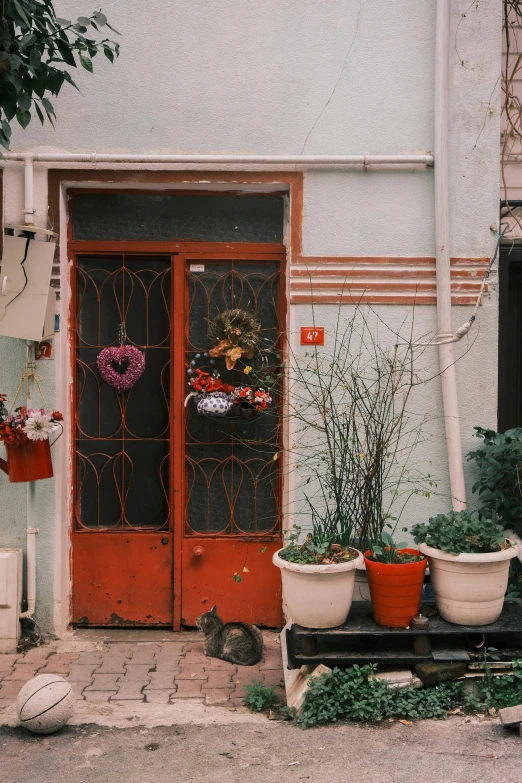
pixel 11 565
pixel 27 301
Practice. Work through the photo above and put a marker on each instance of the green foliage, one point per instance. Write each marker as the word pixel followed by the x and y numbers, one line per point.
pixel 259 697
pixel 387 551
pixel 316 549
pixel 460 531
pixel 354 694
pixel 499 485
pixel 36 48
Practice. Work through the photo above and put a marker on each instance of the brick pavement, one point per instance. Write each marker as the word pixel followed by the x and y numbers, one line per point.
pixel 143 672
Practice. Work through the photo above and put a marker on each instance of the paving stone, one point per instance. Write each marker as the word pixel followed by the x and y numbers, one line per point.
pixel 188 690
pixel 169 666
pixel 194 647
pixel 168 649
pixel 78 688
pixel 7 660
pixel 104 682
pixel 10 690
pixel 248 672
pixel 145 653
pixel 98 695
pixel 22 671
pixel 158 697
pixel 131 691
pixel 81 673
pixel 273 677
pixel 511 716
pixel 137 671
pixel 218 680
pixel 271 662
pixel 217 665
pixel 59 664
pixel 217 695
pixel 161 680
pixel 94 658
pixel 36 654
pixel 112 665
pixel 196 659
pixel 194 672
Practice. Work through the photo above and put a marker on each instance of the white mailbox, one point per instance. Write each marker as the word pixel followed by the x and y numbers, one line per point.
pixel 27 301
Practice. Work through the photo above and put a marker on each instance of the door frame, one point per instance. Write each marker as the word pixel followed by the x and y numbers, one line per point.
pixel 60 180
pixel 180 252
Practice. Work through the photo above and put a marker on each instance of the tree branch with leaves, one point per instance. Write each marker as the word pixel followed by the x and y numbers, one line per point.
pixel 36 50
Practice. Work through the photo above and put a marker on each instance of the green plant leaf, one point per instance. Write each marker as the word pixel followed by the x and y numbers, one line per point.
pixel 86 62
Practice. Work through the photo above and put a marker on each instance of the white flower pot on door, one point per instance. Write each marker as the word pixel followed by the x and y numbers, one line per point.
pixel 469 588
pixel 318 596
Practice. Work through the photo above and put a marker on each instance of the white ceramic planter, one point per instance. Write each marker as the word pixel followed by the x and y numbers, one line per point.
pixel 469 588
pixel 318 596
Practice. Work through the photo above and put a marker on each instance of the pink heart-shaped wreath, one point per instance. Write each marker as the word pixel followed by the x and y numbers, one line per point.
pixel 122 378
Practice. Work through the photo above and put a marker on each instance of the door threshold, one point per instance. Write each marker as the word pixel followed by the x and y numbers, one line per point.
pixel 115 635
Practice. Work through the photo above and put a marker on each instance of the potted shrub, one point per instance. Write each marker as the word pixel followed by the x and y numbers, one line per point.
pixel 395 577
pixel 318 573
pixel 353 435
pixel 469 560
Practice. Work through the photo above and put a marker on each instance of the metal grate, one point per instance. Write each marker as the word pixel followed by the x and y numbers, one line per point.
pixel 233 468
pixel 122 442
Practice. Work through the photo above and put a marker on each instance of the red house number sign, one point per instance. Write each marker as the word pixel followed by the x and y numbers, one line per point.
pixel 312 335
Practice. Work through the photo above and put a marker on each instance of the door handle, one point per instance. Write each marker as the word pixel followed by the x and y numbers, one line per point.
pixel 198 552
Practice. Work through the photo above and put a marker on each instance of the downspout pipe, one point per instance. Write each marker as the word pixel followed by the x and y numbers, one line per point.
pixel 442 258
pixel 28 210
pixel 31 533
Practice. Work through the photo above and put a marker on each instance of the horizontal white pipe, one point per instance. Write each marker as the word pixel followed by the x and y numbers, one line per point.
pixel 258 160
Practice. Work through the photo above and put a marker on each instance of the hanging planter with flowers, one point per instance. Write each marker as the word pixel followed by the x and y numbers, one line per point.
pixel 216 399
pixel 25 433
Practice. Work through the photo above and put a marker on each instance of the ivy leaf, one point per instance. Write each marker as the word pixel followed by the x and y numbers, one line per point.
pixel 86 62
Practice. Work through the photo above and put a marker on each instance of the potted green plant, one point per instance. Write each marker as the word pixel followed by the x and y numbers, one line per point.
pixel 353 435
pixel 318 573
pixel 469 558
pixel 395 577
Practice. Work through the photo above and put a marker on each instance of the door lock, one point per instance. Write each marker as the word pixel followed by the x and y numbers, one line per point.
pixel 198 552
pixel 164 541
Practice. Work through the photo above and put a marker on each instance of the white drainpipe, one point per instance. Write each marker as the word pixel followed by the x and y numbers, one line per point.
pixel 442 256
pixel 31 563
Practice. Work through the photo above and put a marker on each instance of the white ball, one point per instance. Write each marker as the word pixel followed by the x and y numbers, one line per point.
pixel 45 703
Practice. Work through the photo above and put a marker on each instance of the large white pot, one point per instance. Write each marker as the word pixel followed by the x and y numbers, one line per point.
pixel 318 596
pixel 469 588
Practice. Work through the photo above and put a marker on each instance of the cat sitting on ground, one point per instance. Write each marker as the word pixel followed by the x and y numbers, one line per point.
pixel 235 642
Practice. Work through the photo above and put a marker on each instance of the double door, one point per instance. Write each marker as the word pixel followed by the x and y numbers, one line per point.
pixel 173 511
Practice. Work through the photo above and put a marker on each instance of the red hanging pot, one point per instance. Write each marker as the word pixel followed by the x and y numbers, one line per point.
pixel 395 589
pixel 28 461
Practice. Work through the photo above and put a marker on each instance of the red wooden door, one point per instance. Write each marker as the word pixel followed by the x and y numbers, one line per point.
pixel 173 512
pixel 122 540
pixel 233 469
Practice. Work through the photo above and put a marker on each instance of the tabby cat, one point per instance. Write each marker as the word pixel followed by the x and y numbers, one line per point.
pixel 238 643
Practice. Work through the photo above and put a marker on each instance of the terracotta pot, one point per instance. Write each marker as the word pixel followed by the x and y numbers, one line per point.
pixel 318 596
pixel 395 589
pixel 30 461
pixel 469 588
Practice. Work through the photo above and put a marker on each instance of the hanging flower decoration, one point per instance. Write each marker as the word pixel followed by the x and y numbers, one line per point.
pixel 27 424
pixel 235 334
pixel 121 367
pixel 258 398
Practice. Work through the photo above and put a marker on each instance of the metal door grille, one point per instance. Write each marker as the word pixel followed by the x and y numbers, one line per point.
pixel 122 441
pixel 233 469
